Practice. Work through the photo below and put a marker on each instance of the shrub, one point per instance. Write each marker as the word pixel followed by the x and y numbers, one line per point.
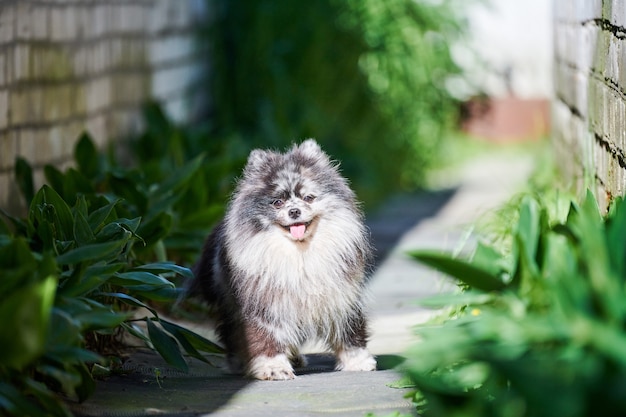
pixel 540 328
pixel 72 275
pixel 365 78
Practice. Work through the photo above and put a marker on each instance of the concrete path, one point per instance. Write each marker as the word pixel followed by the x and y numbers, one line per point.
pixel 427 220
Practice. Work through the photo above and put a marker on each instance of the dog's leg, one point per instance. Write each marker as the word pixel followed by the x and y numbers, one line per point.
pixel 355 359
pixel 268 360
pixel 271 368
pixel 351 352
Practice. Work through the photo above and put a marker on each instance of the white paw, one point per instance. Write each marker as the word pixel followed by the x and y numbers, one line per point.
pixel 275 368
pixel 355 359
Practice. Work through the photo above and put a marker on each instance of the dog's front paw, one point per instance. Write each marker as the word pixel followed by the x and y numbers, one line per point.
pixel 275 368
pixel 355 359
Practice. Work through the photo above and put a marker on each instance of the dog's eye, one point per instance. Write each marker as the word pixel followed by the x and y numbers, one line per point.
pixel 278 203
pixel 309 198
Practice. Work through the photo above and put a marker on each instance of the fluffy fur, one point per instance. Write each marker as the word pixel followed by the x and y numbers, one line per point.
pixel 287 264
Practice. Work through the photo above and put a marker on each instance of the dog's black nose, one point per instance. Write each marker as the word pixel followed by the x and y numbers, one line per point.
pixel 294 213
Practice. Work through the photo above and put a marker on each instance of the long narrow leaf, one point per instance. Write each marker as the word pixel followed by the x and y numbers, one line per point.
pixel 97 217
pixel 165 267
pixel 86 156
pixel 466 298
pixel 462 270
pixel 62 215
pixel 127 299
pixel 93 252
pixel 24 178
pixel 166 346
pixel 140 278
pixel 182 340
pixel 197 341
pixel 82 231
pixel 179 177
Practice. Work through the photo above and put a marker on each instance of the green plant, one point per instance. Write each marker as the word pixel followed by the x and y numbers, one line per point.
pixel 208 165
pixel 73 277
pixel 539 330
pixel 364 77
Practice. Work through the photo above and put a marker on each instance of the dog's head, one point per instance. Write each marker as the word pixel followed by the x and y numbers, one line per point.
pixel 290 193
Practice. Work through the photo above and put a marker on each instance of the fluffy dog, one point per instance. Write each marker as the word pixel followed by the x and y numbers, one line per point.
pixel 287 264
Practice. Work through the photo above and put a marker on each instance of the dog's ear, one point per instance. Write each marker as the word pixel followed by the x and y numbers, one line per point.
pixel 310 148
pixel 258 160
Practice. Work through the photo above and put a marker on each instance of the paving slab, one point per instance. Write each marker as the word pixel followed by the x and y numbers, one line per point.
pixel 148 386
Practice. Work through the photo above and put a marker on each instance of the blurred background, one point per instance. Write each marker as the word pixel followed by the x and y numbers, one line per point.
pixel 391 89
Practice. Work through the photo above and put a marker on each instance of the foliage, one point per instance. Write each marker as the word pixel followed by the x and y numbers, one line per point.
pixel 541 328
pixel 73 272
pixel 196 168
pixel 364 77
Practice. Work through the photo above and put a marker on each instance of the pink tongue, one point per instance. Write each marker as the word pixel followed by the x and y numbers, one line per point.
pixel 297 231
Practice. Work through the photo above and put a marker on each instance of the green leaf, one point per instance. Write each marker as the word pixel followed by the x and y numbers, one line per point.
pixel 19 226
pixel 94 252
pixel 589 228
pixel 156 228
pixel 25 314
pixel 148 292
pixel 120 229
pixel 24 179
pixel 82 230
pixel 86 156
pixel 464 271
pixel 48 400
pixel 169 191
pixel 97 217
pixel 90 279
pixel 127 299
pixel 570 290
pixel 17 403
pixel 466 298
pixel 136 331
pixel 76 184
pixel 87 386
pixel 615 235
pixel 528 231
pixel 165 267
pixel 101 319
pixel 55 178
pixel 134 278
pixel 198 342
pixel 67 378
pixel 182 340
pixel 60 215
pixel 492 261
pixel 129 190
pixel 166 346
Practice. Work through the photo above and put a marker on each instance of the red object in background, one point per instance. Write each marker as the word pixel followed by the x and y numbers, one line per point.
pixel 506 119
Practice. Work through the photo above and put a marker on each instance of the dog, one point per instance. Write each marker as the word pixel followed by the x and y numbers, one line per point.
pixel 288 264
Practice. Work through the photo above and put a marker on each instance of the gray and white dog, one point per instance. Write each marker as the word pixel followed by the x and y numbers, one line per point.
pixel 288 264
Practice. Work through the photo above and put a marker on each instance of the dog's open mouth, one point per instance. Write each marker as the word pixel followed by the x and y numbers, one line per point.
pixel 297 230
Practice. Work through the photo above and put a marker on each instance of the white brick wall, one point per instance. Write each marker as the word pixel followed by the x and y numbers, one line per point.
pixel 589 111
pixel 67 66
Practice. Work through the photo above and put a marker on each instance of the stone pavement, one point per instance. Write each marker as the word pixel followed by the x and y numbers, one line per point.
pixel 425 220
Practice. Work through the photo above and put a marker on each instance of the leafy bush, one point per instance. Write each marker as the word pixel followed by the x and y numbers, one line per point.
pixel 71 276
pixel 364 77
pixel 540 329
pixel 196 168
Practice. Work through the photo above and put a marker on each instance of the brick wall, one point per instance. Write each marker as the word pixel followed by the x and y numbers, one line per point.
pixel 70 65
pixel 589 110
